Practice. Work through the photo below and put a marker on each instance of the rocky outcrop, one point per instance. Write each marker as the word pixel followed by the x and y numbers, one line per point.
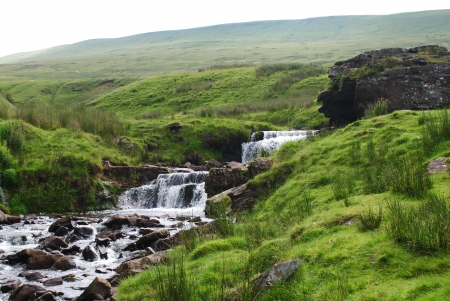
pixel 135 266
pixel 221 179
pixel 242 198
pixel 134 175
pixel 409 79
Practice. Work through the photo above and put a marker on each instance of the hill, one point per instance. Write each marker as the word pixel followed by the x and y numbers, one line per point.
pixel 318 40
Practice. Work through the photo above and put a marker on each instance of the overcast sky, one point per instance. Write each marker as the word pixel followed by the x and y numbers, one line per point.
pixel 27 25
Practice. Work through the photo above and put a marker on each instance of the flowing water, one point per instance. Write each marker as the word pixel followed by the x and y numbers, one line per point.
pixel 2 195
pixel 272 140
pixel 166 199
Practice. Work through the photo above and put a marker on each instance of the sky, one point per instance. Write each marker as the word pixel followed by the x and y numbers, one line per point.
pixel 27 25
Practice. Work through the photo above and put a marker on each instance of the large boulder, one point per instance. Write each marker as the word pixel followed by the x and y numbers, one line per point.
pixel 62 222
pixel 116 220
pixel 148 239
pixel 42 261
pixel 26 292
pixel 22 256
pixel 221 179
pixel 10 285
pixel 99 289
pixel 134 175
pixel 135 266
pixel 64 264
pixel 54 243
pixel 242 198
pixel 409 79
pixel 89 254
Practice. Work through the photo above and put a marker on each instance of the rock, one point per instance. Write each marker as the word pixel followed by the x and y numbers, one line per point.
pixel 403 77
pixel 145 231
pixel 112 235
pixel 259 165
pixel 54 243
pixel 264 281
pixel 62 222
pixel 23 255
pixel 48 296
pixel 140 175
pixel 84 232
pixel 114 280
pixel 101 271
pixel 73 250
pixel 134 266
pixel 2 217
pixel 25 292
pixel 437 165
pixel 221 179
pixel 242 198
pixel 11 219
pixel 195 219
pixel 213 163
pixel 102 252
pixel 10 285
pixel 150 223
pixel 31 276
pixel 62 231
pixel 147 240
pixel 53 281
pixel 116 220
pixel 99 289
pixel 64 264
pixel 89 254
pixel 42 261
pixel 235 165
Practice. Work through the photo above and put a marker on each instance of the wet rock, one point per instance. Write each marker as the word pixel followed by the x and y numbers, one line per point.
pixel 102 252
pixel 116 220
pixel 259 165
pixel 48 296
pixel 101 271
pixel 62 222
pixel 235 165
pixel 112 235
pixel 213 163
pixel 140 175
pixel 102 241
pixel 26 292
pixel 147 240
pixel 242 198
pixel 22 256
pixel 195 219
pixel 84 232
pixel 54 243
pixel 114 280
pixel 64 264
pixel 31 276
pixel 53 282
pixel 73 250
pixel 145 231
pixel 150 223
pixel 149 251
pixel 221 179
pixel 99 289
pixel 10 285
pixel 42 261
pixel 135 266
pixel 62 231
pixel 13 219
pixel 89 254
pixel 131 247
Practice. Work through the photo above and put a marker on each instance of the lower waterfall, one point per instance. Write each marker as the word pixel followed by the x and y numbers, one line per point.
pixel 272 140
pixel 181 189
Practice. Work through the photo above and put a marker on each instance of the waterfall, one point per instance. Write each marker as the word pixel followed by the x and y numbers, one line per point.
pixel 270 143
pixel 181 189
pixel 2 195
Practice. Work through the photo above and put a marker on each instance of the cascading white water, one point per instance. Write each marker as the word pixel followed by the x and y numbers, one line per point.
pixel 2 195
pixel 175 190
pixel 271 142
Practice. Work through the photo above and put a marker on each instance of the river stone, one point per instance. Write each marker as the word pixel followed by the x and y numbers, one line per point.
pixel 150 223
pixel 25 292
pixel 89 254
pixel 48 296
pixel 84 232
pixel 235 165
pixel 145 231
pixel 23 255
pixel 54 243
pixel 73 250
pixel 132 267
pixel 31 276
pixel 112 235
pixel 116 220
pixel 2 217
pixel 62 231
pixel 99 288
pixel 147 240
pixel 213 163
pixel 10 285
pixel 11 219
pixel 42 261
pixel 53 281
pixel 102 252
pixel 62 222
pixel 64 264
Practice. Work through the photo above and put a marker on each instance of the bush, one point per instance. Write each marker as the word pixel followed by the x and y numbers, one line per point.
pixel 424 227
pixel 17 207
pixel 9 178
pixel 370 221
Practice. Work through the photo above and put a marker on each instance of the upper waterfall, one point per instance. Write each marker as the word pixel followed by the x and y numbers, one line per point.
pixel 271 142
pixel 181 189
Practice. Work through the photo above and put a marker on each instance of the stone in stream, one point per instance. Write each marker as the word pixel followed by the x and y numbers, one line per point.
pixel 145 231
pixel 73 250
pixel 54 243
pixel 31 276
pixel 150 223
pixel 26 292
pixel 42 261
pixel 89 254
pixel 132 267
pixel 62 231
pixel 64 264
pixel 10 285
pixel 48 296
pixel 22 256
pixel 147 240
pixel 102 252
pixel 99 289
pixel 116 220
pixel 62 222
pixel 53 281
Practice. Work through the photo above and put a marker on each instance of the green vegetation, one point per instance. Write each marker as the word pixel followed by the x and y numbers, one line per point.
pixel 387 241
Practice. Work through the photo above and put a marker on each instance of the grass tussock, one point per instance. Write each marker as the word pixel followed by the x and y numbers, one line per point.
pixel 370 220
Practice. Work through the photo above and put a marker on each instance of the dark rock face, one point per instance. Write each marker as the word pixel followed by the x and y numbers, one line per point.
pixel 242 198
pixel 259 165
pixel 137 175
pixel 409 79
pixel 221 179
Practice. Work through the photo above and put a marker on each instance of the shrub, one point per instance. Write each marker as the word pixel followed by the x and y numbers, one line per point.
pixel 379 108
pixel 436 128
pixel 370 221
pixel 17 207
pixel 9 178
pixel 424 227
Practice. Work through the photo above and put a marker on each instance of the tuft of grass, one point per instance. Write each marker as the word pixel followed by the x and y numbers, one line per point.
pixel 370 220
pixel 379 108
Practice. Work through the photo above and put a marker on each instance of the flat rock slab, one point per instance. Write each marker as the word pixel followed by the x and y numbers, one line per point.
pixel 437 165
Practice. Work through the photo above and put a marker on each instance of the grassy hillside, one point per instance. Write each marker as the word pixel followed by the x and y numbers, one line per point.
pixel 318 40
pixel 355 205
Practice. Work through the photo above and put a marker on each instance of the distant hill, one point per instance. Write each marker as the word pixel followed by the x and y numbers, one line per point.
pixel 320 40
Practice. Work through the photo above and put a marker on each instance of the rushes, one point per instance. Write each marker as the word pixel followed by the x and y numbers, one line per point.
pixel 370 220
